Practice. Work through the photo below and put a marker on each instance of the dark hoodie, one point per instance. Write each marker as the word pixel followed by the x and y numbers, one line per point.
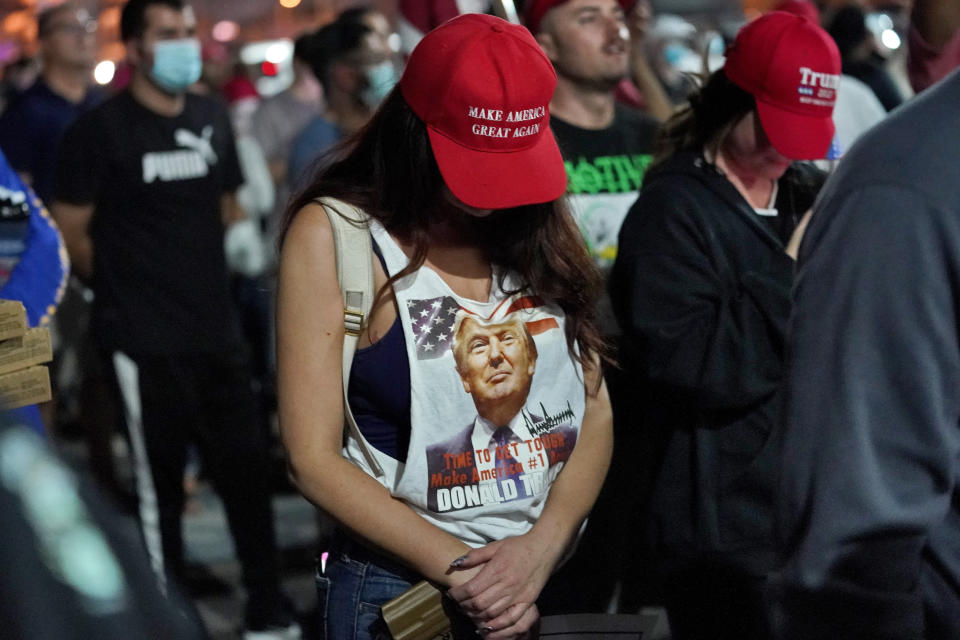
pixel 701 288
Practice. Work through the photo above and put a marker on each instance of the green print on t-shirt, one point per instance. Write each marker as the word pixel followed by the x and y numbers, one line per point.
pixel 607 174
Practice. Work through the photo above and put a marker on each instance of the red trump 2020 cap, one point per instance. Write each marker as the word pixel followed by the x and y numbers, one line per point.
pixel 483 87
pixel 792 68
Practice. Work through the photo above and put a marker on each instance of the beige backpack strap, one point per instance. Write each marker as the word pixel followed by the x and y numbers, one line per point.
pixel 354 249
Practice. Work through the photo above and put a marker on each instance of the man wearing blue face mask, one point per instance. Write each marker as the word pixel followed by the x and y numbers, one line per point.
pixel 144 187
pixel 355 68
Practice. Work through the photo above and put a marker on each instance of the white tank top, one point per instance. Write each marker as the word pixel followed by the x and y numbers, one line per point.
pixel 496 404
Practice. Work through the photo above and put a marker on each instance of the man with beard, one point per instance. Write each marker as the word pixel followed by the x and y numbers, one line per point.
pixel 606 148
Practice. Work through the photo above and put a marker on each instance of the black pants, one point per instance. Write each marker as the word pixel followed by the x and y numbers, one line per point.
pixel 708 600
pixel 206 400
pixel 611 550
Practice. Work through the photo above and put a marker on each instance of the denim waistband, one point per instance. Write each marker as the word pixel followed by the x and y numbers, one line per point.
pixel 351 548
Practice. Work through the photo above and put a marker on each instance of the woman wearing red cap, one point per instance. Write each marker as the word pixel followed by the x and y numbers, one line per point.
pixel 483 426
pixel 701 287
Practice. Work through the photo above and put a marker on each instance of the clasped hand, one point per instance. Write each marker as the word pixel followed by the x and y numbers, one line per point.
pixel 501 597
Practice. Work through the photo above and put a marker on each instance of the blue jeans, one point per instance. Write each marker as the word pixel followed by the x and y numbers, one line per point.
pixel 351 590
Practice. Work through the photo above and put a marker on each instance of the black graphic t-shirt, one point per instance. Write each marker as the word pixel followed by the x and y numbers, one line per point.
pixel 605 169
pixel 160 277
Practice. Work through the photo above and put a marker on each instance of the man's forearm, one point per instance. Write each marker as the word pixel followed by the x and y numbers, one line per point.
pixel 81 257
pixel 230 209
pixel 658 104
pixel 74 222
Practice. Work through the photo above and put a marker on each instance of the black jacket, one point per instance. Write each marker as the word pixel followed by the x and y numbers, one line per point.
pixel 701 288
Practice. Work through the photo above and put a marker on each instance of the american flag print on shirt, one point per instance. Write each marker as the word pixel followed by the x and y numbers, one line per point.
pixel 432 323
pixel 432 320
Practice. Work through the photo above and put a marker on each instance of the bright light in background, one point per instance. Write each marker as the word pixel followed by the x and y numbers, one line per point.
pixel 103 72
pixel 20 21
pixel 881 25
pixel 277 52
pixel 273 57
pixel 225 31
pixel 394 42
pixel 289 4
pixel 890 39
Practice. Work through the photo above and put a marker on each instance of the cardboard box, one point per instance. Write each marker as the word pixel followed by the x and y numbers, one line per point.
pixel 25 387
pixel 418 614
pixel 31 348
pixel 13 319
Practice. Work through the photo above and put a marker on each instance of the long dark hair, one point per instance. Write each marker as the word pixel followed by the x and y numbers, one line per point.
pixel 388 170
pixel 706 119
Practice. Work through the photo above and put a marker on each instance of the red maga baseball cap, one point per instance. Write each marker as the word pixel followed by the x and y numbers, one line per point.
pixel 536 9
pixel 483 87
pixel 792 68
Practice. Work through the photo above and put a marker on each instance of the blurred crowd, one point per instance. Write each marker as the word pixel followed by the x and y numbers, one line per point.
pixel 165 364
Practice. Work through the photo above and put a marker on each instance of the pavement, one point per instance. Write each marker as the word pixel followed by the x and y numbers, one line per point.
pixel 214 577
pixel 214 574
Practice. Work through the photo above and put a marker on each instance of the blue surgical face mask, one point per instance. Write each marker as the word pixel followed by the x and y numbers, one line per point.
pixel 176 64
pixel 380 80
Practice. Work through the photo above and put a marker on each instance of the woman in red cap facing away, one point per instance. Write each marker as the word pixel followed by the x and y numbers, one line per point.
pixel 483 429
pixel 701 287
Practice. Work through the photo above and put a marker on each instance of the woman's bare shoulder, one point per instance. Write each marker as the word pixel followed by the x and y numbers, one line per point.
pixel 309 225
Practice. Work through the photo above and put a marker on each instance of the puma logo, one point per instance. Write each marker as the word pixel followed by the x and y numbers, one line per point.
pixel 193 161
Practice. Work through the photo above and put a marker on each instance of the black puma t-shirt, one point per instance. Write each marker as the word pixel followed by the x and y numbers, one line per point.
pixel 160 276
